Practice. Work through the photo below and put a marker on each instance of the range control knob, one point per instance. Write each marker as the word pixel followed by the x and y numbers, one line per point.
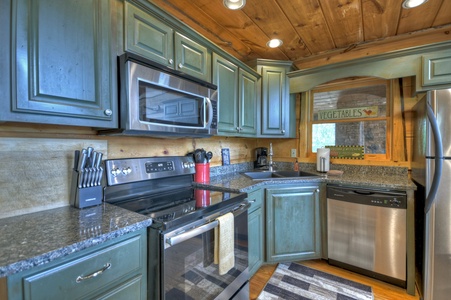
pixel 188 164
pixel 115 172
pixel 126 171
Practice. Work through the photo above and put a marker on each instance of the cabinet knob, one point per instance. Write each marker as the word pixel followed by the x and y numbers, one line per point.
pixel 238 129
pixel 171 61
pixel 317 190
pixel 108 112
pixel 283 131
pixel 180 65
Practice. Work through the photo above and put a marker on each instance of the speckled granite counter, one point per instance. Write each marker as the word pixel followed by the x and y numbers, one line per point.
pixel 392 178
pixel 38 238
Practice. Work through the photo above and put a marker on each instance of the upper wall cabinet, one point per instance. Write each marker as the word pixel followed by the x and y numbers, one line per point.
pixel 151 38
pixel 237 98
pixel 62 67
pixel 278 118
pixel 436 69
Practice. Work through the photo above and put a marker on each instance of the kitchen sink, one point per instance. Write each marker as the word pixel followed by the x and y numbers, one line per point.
pixel 267 175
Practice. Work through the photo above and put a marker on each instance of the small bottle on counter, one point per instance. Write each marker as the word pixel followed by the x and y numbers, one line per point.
pixel 296 165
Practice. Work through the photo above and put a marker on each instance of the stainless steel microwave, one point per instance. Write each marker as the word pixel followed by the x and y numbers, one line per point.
pixel 157 101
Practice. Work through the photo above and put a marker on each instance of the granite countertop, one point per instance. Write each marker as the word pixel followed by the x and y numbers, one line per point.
pixel 382 178
pixel 34 239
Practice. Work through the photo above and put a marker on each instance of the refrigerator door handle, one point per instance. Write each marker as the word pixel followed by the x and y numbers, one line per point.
pixel 438 158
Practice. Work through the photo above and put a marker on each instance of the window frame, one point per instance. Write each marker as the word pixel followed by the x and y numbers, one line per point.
pixel 347 84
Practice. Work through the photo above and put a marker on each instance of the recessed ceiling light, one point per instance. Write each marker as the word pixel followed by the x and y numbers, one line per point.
pixel 413 3
pixel 234 4
pixel 274 43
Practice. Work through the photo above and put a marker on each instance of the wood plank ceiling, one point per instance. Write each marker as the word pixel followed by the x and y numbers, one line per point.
pixel 311 29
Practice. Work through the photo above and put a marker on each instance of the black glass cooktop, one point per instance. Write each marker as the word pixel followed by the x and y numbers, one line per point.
pixel 176 207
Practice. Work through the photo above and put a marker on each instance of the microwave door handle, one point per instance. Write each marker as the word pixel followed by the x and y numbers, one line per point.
pixel 438 158
pixel 209 112
pixel 190 234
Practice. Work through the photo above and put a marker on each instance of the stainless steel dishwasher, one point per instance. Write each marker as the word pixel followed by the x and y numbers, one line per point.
pixel 367 232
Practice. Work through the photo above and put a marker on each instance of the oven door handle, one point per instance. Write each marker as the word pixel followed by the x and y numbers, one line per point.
pixel 172 241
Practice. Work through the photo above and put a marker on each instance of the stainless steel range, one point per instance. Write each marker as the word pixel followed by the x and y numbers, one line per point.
pixel 182 237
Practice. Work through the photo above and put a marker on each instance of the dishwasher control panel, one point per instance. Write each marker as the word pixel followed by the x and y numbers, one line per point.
pixel 374 197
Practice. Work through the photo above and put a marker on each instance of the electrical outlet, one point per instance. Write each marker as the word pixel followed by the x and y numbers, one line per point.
pixel 293 152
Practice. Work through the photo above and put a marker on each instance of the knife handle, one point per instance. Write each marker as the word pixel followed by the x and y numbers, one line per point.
pixel 80 179
pixel 82 160
pixel 93 159
pixel 99 159
pixel 90 149
pixel 76 159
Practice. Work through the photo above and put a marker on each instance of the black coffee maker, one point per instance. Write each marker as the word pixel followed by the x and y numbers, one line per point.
pixel 261 155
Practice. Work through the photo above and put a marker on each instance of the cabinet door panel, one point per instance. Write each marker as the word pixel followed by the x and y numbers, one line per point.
pixel 225 76
pixel 63 62
pixel 436 69
pixel 192 58
pixel 147 36
pixel 273 101
pixel 248 103
pixel 293 227
pixel 256 240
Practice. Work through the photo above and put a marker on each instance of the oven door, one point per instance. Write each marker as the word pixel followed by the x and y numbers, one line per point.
pixel 188 270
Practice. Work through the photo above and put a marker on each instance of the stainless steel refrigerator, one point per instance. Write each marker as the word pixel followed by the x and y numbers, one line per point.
pixel 431 171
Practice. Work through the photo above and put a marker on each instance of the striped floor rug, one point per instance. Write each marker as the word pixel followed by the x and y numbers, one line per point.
pixel 293 281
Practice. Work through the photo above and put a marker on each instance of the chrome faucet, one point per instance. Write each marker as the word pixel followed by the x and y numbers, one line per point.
pixel 271 164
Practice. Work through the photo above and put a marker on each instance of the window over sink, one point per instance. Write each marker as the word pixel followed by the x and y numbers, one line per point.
pixel 352 112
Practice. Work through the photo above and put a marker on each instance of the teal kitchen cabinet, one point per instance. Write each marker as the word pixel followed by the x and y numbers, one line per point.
pixel 293 228
pixel 149 36
pixel 278 118
pixel 116 269
pixel 436 69
pixel 63 70
pixel 237 98
pixel 256 225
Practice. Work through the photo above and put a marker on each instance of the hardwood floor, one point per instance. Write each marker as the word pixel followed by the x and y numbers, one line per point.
pixel 381 290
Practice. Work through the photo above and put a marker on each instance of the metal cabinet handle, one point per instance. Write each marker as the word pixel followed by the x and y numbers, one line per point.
pixel 108 112
pixel 180 65
pixel 283 131
pixel 92 275
pixel 317 190
pixel 171 61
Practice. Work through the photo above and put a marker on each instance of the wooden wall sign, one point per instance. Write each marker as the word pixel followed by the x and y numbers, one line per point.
pixel 347 152
pixel 349 113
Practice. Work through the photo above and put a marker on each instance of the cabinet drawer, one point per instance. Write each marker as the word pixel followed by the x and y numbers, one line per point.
pixel 256 199
pixel 86 275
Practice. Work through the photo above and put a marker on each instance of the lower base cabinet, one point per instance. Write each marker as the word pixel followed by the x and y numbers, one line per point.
pixel 293 228
pixel 116 269
pixel 256 226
